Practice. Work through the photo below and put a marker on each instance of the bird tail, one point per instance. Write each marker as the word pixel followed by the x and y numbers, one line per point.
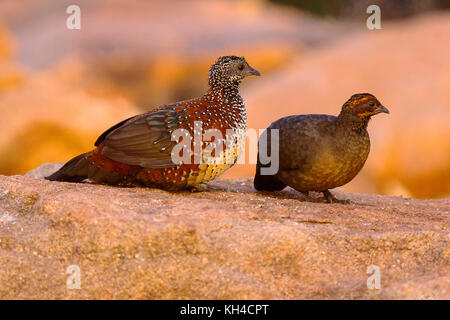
pixel 76 170
pixel 266 182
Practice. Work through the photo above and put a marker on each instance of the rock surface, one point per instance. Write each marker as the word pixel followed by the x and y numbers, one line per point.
pixel 228 242
pixel 45 120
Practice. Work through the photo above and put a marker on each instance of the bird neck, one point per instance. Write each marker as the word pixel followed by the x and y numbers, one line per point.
pixel 226 94
pixel 348 120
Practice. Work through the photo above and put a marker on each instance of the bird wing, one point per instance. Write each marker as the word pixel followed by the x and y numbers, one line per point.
pixel 301 139
pixel 114 127
pixel 144 140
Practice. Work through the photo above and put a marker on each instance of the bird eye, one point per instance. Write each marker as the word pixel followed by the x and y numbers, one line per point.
pixel 241 67
pixel 371 103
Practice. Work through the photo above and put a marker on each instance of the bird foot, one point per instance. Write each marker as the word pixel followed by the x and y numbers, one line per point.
pixel 332 199
pixel 198 188
pixel 308 197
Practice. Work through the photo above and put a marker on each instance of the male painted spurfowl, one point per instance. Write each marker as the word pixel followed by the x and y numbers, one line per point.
pixel 138 150
pixel 320 152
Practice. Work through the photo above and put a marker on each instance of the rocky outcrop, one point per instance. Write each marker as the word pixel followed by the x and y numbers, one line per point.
pixel 228 242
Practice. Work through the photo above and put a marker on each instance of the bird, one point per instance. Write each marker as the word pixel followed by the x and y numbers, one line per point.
pixel 138 151
pixel 319 152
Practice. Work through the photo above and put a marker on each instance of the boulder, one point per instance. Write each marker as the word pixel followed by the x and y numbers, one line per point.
pixel 229 242
pixel 46 120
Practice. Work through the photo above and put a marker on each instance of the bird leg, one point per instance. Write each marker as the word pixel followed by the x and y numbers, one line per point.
pixel 332 199
pixel 308 197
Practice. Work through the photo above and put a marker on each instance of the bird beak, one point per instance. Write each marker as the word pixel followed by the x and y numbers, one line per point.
pixel 253 72
pixel 381 109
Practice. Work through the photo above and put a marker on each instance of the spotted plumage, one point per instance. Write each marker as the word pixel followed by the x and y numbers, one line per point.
pixel 138 150
pixel 321 152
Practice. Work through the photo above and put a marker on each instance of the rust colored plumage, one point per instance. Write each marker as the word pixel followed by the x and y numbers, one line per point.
pixel 138 150
pixel 321 152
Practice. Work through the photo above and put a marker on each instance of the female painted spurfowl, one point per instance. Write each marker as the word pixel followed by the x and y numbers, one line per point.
pixel 138 150
pixel 321 152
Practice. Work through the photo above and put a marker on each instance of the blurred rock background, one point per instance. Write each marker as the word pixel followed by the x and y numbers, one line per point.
pixel 60 88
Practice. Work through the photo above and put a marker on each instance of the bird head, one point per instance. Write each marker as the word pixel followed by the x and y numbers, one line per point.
pixel 230 70
pixel 363 106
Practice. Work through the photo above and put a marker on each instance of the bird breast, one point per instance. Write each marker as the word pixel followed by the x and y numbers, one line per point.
pixel 231 122
pixel 338 164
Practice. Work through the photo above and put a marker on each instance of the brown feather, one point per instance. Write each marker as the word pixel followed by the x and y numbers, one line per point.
pixel 145 141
